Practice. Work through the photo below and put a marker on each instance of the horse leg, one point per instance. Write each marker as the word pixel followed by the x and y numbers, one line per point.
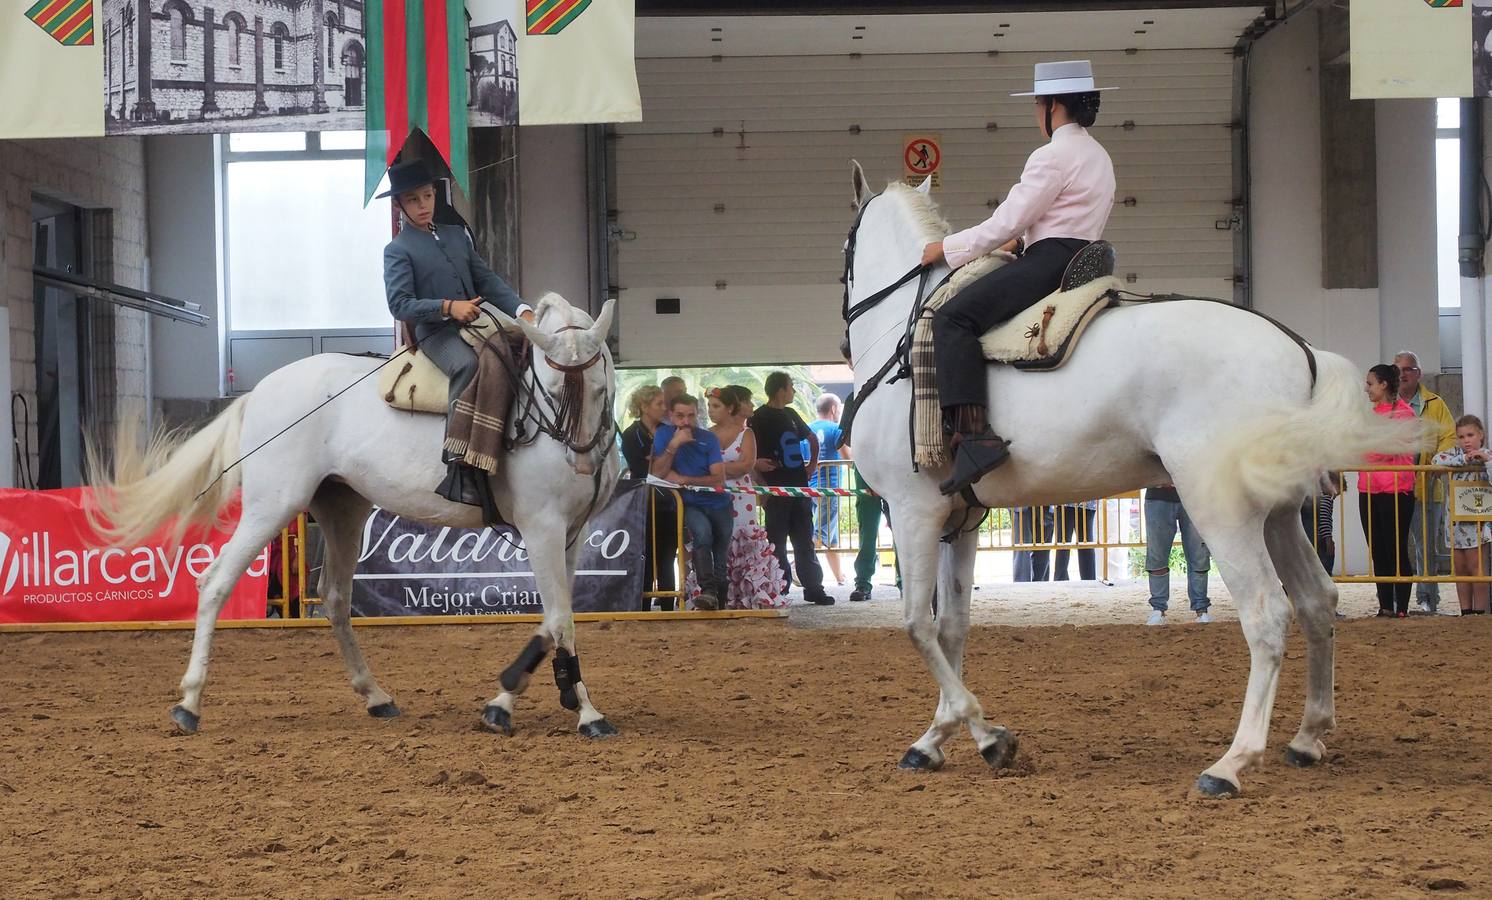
pixel 340 512
pixel 1237 542
pixel 255 530
pixel 925 562
pixel 1315 598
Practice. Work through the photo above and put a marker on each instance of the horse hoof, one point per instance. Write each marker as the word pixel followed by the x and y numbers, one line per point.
pixel 1299 759
pixel 384 711
pixel 598 729
pixel 1213 786
pixel 186 721
pixel 495 718
pixel 915 760
pixel 1000 752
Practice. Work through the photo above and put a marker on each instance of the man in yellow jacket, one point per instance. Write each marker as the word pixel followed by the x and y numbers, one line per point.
pixel 1427 524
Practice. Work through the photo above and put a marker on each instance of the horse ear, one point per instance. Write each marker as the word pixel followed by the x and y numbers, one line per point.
pixel 859 182
pixel 602 328
pixel 926 185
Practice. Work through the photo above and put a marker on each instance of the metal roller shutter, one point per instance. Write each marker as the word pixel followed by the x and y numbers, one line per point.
pixel 733 195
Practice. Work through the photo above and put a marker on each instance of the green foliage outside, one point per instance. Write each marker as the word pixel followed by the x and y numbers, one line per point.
pixel 697 380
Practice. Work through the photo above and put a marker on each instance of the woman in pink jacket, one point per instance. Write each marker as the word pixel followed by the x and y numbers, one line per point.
pixel 1386 499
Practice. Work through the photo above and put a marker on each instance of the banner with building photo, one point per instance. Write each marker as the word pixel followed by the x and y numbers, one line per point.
pixel 1412 48
pixel 409 569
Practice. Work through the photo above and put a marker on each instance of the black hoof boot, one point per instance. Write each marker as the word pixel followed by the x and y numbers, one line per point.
pixel 1213 786
pixel 495 718
pixel 915 760
pixel 384 711
pixel 598 729
pixel 1300 760
pixel 187 722
pixel 1000 752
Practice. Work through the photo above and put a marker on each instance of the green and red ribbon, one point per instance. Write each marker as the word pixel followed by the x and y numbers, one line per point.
pixel 551 16
pixel 69 22
pixel 416 79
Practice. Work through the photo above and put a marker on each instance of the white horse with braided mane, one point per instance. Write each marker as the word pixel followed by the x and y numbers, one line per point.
pixel 356 451
pixel 1168 392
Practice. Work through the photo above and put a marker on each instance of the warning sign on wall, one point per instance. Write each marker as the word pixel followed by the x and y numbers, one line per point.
pixel 922 156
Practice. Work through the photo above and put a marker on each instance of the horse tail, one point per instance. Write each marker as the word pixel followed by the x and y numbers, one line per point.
pixel 1280 458
pixel 176 475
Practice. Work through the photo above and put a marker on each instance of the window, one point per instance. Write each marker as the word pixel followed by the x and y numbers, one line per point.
pixel 280 34
pixel 331 41
pixel 235 40
pixel 128 31
pixel 178 33
pixel 303 254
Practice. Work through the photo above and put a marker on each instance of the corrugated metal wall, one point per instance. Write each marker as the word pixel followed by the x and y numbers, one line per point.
pixel 745 227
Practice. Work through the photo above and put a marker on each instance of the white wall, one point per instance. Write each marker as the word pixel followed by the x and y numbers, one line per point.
pixel 180 172
pixel 1408 283
pixel 553 212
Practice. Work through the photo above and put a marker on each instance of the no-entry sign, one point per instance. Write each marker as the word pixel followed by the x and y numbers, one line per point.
pixel 921 157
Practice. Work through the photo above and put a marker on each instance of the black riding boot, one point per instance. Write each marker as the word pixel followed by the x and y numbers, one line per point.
pixel 469 486
pixel 977 450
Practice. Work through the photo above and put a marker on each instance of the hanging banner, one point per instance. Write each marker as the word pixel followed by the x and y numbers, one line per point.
pixel 578 64
pixel 51 67
pixel 54 568
pixel 408 569
pixel 1406 49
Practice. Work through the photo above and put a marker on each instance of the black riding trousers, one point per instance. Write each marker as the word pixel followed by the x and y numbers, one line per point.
pixel 990 301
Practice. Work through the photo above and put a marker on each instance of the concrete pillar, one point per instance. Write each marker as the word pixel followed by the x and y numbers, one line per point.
pixel 318 82
pixel 209 63
pixel 494 200
pixel 1349 167
pixel 259 105
pixel 145 108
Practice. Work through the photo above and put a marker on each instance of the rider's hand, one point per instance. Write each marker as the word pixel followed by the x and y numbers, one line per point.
pixel 465 311
pixel 932 254
pixel 528 316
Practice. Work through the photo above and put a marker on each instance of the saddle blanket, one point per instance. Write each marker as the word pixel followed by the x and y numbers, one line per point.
pixel 413 383
pixel 1040 337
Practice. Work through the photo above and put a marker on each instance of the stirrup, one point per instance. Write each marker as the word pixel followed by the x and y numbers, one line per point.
pixel 974 458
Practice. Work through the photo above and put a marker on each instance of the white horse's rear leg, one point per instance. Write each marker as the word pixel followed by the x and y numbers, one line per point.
pixel 340 513
pixel 1315 598
pixel 1238 546
pixel 553 565
pixel 255 530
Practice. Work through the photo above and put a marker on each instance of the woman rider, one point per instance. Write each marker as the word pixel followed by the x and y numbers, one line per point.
pixel 1060 205
pixel 436 282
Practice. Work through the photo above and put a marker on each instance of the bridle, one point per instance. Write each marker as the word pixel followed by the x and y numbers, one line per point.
pixel 899 364
pixel 560 417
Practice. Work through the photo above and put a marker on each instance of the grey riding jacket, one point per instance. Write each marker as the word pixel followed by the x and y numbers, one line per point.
pixel 421 271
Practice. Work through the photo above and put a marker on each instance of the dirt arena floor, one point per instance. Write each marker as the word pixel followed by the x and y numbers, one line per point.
pixel 756 759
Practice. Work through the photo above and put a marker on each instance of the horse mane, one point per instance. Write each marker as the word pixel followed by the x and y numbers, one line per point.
pixel 923 209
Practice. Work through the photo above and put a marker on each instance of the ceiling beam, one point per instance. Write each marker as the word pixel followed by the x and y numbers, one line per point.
pixel 901 7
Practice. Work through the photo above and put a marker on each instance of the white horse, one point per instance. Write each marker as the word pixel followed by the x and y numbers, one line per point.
pixel 1210 397
pixel 357 451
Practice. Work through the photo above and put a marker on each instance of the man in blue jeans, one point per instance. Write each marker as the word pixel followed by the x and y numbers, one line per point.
pixel 1164 514
pixel 686 454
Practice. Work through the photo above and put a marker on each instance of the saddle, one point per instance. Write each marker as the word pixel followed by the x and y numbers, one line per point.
pixel 413 383
pixel 1041 337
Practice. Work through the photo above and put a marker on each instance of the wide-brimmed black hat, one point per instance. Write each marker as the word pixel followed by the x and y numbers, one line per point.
pixel 407 176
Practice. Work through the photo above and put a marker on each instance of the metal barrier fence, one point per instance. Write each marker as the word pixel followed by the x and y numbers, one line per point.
pixel 1098 526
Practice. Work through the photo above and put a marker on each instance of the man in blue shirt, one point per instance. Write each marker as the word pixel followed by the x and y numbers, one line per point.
pixel 686 454
pixel 826 509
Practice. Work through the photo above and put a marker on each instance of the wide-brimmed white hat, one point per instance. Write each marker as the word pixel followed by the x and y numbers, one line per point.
pixel 1074 76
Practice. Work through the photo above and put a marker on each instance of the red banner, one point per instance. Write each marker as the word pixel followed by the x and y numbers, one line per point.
pixel 54 568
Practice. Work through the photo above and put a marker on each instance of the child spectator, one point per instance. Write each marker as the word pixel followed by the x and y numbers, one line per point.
pixel 1468 538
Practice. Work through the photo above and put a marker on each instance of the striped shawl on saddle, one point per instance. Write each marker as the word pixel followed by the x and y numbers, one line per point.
pixel 479 420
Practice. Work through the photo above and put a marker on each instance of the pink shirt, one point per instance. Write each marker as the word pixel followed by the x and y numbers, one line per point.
pixel 1065 191
pixel 1389 482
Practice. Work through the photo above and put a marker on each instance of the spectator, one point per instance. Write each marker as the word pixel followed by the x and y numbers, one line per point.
pixel 686 454
pixel 1031 525
pixel 1164 516
pixel 661 534
pixel 1467 539
pixel 826 509
pixel 755 581
pixel 1315 518
pixel 1075 523
pixel 1386 499
pixel 672 386
pixel 1429 490
pixel 780 432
